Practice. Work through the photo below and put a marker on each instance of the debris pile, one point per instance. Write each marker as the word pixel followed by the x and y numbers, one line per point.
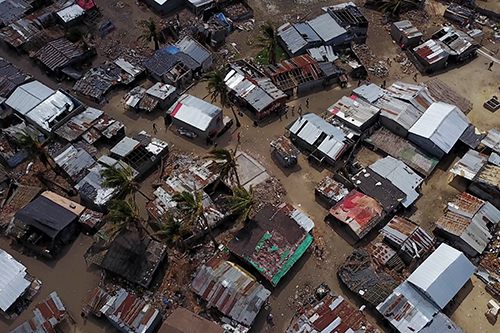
pixel 374 66
pixel 269 191
pixel 303 296
pixel 407 66
pixel 418 17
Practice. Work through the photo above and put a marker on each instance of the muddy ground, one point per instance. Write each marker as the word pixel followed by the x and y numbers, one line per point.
pixel 72 279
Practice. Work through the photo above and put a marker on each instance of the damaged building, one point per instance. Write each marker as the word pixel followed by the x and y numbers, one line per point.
pixel 274 240
pixel 354 113
pixel 349 17
pixel 284 151
pixel 61 53
pixel 330 190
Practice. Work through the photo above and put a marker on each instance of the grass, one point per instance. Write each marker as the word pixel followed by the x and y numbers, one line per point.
pixel 262 57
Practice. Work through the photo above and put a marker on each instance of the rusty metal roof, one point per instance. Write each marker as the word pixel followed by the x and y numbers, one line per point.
pixel 408 236
pixel 331 189
pixel 294 72
pixel 91 218
pixel 80 123
pixel 470 164
pixel 332 314
pixel 10 77
pixel 59 53
pixel 230 289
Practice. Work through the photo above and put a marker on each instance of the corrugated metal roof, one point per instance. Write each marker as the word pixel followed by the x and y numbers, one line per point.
pixel 161 90
pixel 403 113
pixel 489 175
pixel 199 3
pixel 302 220
pixel 125 146
pixel 470 164
pixel 194 111
pixel 443 124
pixel 408 236
pixel 128 67
pixel 360 212
pixel 91 188
pixel 70 13
pixel 401 175
pixel 331 189
pixel 46 113
pixel 353 111
pixel 80 123
pixel 441 324
pixel 323 53
pixel 230 289
pixel 432 51
pixel 326 27
pixel 407 28
pixel 193 49
pixel 494 159
pixel 492 140
pixel 407 309
pixel 13 282
pixel 75 162
pixel 370 92
pixel 291 37
pixel 418 96
pixel 19 32
pixel 59 53
pixel 27 96
pixel 456 40
pixel 307 32
pixel 10 77
pixel 11 10
pixel 318 122
pixel 442 274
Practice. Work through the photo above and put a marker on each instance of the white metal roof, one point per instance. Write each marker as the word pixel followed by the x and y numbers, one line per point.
pixel 194 111
pixel 353 110
pixel 443 124
pixel 13 282
pixel 161 90
pixel 370 92
pixel 27 96
pixel 400 175
pixel 70 13
pixel 326 27
pixel 470 164
pixel 125 146
pixel 291 37
pixel 442 274
pixel 45 113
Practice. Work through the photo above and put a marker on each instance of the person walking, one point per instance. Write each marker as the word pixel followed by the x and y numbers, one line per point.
pixel 491 65
pixel 415 77
pixel 293 110
pixel 307 103
pixel 286 113
pixel 359 82
pixel 155 130
pixel 300 110
pixel 383 85
pixel 238 136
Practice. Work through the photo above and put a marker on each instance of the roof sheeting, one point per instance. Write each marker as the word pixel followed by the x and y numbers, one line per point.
pixel 161 90
pixel 432 51
pixel 79 124
pixel 323 53
pixel 125 146
pixel 407 28
pixel 10 77
pixel 70 13
pixel 470 164
pixel 291 37
pixel 492 140
pixel 326 27
pixel 443 124
pixel 13 282
pixel 27 96
pixel 354 111
pixel 230 289
pixel 194 111
pixel 442 274
pixel 370 92
pixel 59 53
pixel 418 96
pixel 11 10
pixel 403 113
pixel 46 113
pixel 408 236
pixel 400 175
pixel 441 324
pixel 193 49
pixel 75 162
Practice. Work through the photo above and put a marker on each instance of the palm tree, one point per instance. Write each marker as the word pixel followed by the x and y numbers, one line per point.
pixel 224 163
pixel 34 148
pixel 268 40
pixel 242 202
pixel 173 231
pixel 124 215
pixel 150 32
pixel 192 205
pixel 123 180
pixel 396 6
pixel 217 88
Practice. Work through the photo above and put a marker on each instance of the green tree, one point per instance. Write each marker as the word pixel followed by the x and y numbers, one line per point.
pixel 123 180
pixel 124 215
pixel 192 205
pixel 150 32
pixel 173 231
pixel 268 40
pixel 218 89
pixel 242 202
pixel 34 148
pixel 224 163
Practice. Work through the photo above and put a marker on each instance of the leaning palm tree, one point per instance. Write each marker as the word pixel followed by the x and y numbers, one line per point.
pixel 224 163
pixel 242 202
pixel 268 39
pixel 173 231
pixel 34 148
pixel 218 89
pixel 123 180
pixel 150 32
pixel 192 205
pixel 124 215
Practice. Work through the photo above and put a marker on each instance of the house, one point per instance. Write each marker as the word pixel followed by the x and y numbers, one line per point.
pixel 195 115
pixel 390 144
pixel 128 313
pixel 330 32
pixel 14 284
pixel 91 189
pixel 461 45
pixel 439 128
pixel 359 212
pixel 46 224
pixel 469 223
pixel 284 151
pixel 331 314
pixel 297 38
pixel 417 95
pixel 164 6
pixel 141 153
pixel 274 240
pixel 75 161
pixel 401 176
pixel 11 77
pixel 18 33
pixel 470 164
pixel 129 255
pixel 196 51
pixel 12 10
pixel 460 14
pixel 161 96
pixel 330 190
pixel 184 321
pixel 405 34
pixel 431 56
pixel 492 140
pixel 47 315
pixel 486 184
pixel 230 289
pixel 296 75
pixel 61 53
pixel 260 95
pixel 199 6
pixel 323 140
pixel 355 113
pixel 71 16
pixel 369 92
pixel 396 115
pixel 170 65
pixel 349 17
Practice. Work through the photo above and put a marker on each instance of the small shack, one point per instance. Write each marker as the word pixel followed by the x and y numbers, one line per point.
pixel 196 115
pixel 196 51
pixel 355 113
pixel 71 16
pixel 405 34
pixel 486 184
pixel 284 151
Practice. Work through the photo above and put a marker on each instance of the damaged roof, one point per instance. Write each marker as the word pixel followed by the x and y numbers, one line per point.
pixel 492 140
pixel 273 241
pixel 230 289
pixel 254 95
pixel 59 53
pixel 91 187
pixel 407 29
pixel 291 37
pixel 326 27
pixel 75 162
pixel 10 77
pixel 432 51
pixel 331 189
pixel 184 321
pixel 470 164
pixel 11 10
pixel 408 236
pixel 354 111
pixel 193 49
pixel 418 96
pixel 294 72
pixel 360 212
pixel 70 13
pixel 13 281
pixel 402 113
pixel 79 124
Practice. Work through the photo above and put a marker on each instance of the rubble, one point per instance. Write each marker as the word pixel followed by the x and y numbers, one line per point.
pixel 372 64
